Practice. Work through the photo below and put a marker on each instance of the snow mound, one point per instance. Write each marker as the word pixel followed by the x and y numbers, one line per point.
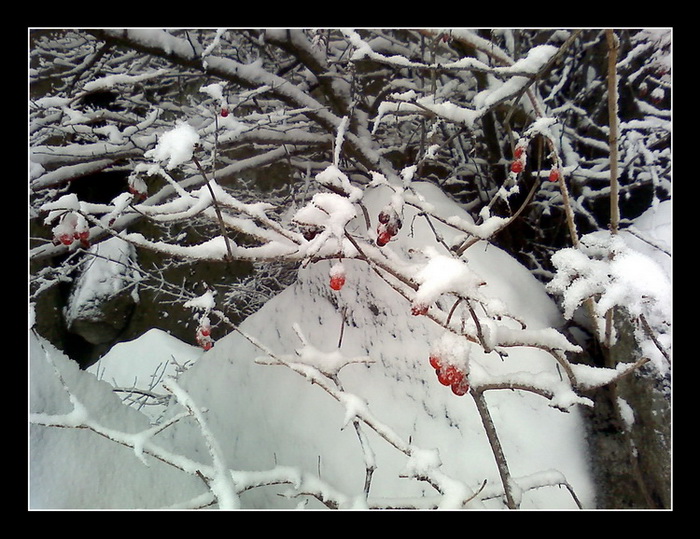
pixel 78 469
pixel 269 415
pixel 266 416
pixel 143 364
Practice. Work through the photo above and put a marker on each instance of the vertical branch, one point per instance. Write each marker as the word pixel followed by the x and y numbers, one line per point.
pixel 367 452
pixel 221 484
pixel 219 217
pixel 613 45
pixel 496 447
pixel 568 209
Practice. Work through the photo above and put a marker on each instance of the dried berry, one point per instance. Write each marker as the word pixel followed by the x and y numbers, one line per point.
pixel 418 309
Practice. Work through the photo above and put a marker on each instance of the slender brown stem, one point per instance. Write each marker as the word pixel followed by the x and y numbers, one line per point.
pixel 496 447
pixel 219 217
pixel 613 45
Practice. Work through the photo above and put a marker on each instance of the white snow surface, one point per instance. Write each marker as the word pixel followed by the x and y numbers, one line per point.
pixel 145 363
pixel 175 146
pixel 631 270
pixel 265 415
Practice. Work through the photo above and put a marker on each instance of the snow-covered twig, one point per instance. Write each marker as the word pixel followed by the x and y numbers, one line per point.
pixel 356 409
pixel 220 482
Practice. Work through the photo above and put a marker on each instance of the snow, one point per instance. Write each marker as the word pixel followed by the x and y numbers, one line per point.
pixel 76 468
pixel 110 81
pixel 496 92
pixel 443 274
pixel 630 270
pixel 264 402
pixel 333 176
pixel 215 91
pixel 175 146
pixel 537 57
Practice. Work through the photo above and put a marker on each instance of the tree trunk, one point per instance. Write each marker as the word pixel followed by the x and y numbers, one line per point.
pixel 630 434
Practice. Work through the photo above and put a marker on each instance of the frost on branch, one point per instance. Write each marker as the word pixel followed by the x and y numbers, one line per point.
pixel 314 361
pixel 612 274
pixel 324 220
pixel 346 108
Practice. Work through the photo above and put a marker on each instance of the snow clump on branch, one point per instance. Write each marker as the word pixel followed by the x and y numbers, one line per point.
pixel 443 274
pixel 606 269
pixel 175 146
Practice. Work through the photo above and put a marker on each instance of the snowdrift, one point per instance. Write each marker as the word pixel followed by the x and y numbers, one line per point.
pixel 265 415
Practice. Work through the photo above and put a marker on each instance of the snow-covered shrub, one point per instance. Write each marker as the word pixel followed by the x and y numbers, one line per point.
pixel 411 157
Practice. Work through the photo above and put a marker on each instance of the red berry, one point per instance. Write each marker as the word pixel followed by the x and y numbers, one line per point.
pixel 460 387
pixel 554 175
pixel 310 232
pixel 66 239
pixel 419 309
pixel 519 150
pixel 449 375
pixel 516 166
pixel 337 275
pixel 337 282
pixel 435 362
pixel 383 217
pixel 203 339
pixel 393 228
pixel 140 195
pixel 83 236
pixel 224 112
pixel 203 335
pixel 384 238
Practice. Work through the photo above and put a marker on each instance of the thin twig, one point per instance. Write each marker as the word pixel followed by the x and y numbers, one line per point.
pixel 219 217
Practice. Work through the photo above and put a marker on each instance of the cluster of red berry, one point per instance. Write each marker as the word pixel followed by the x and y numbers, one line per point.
pixel 203 335
pixel 518 165
pixel 72 228
pixel 520 154
pixel 388 227
pixel 450 375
